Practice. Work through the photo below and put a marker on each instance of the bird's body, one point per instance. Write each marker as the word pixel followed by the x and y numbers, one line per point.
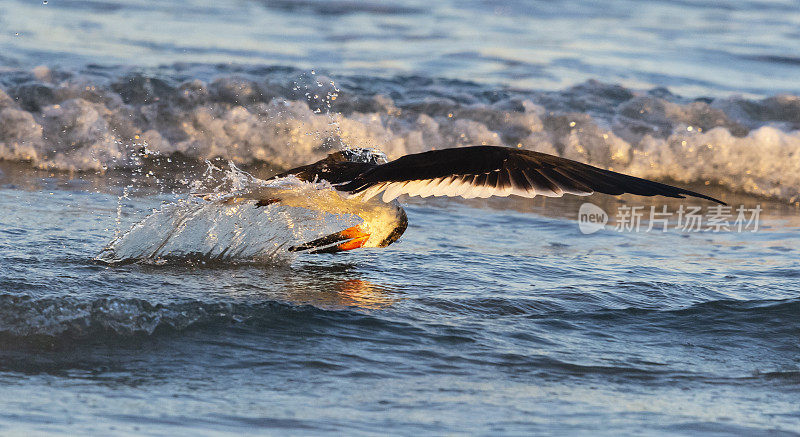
pixel 351 180
pixel 382 222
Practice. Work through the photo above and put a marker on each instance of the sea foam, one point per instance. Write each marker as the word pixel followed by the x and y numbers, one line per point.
pixel 102 118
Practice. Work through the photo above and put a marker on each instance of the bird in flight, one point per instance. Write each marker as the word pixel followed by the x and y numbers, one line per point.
pixel 353 179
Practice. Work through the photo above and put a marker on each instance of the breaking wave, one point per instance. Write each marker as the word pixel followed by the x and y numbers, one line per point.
pixel 103 118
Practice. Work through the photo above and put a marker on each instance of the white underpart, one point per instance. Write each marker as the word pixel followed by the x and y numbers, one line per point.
pixel 373 191
pixel 429 187
pixel 460 187
pixel 454 186
pixel 393 190
pixel 467 189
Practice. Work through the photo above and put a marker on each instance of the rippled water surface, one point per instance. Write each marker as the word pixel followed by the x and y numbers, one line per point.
pixel 487 317
pixel 491 317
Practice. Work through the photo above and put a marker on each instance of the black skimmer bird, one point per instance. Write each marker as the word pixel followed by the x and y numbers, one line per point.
pixel 352 179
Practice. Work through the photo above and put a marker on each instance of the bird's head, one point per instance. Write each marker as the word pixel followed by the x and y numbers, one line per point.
pixel 369 156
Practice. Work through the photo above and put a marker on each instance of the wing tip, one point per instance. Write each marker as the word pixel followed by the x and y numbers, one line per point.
pixel 685 193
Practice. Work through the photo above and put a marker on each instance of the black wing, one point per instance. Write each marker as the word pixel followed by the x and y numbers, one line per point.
pixel 484 171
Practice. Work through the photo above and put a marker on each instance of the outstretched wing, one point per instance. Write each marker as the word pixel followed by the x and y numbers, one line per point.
pixel 484 171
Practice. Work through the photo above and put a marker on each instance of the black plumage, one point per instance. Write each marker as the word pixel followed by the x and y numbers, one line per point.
pixel 501 168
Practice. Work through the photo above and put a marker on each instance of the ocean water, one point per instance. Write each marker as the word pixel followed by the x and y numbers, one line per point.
pixel 496 316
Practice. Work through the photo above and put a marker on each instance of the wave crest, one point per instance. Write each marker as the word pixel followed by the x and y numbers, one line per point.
pixel 286 117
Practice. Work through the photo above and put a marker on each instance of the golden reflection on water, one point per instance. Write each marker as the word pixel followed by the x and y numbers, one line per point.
pixel 325 284
pixel 364 294
pixel 332 291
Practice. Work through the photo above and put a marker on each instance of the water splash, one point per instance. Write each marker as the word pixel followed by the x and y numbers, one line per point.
pixel 219 226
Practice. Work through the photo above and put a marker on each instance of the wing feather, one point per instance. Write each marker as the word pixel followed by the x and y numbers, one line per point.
pixel 484 171
pixel 394 190
pixel 521 183
pixel 543 185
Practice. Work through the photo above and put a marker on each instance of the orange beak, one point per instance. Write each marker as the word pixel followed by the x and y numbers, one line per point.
pixel 357 235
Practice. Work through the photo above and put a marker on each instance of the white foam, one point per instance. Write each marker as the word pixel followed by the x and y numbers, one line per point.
pixel 85 123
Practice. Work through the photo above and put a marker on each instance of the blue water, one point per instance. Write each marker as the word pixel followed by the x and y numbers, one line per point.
pixel 482 319
pixel 696 47
pixel 487 317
